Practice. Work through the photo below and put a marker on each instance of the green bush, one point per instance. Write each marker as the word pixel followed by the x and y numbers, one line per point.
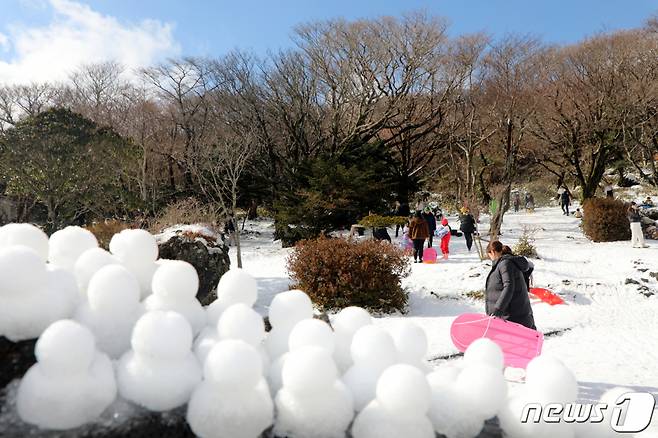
pixel 604 220
pixel 338 273
pixel 525 246
pixel 377 221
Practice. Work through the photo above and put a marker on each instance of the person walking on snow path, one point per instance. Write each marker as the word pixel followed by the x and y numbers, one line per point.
pixel 467 226
pixel 506 290
pixel 418 232
pixel 444 233
pixel 565 200
pixel 517 202
pixel 634 217
pixel 431 225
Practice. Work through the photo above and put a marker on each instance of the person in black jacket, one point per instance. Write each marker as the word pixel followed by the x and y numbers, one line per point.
pixel 467 226
pixel 565 200
pixel 431 225
pixel 506 291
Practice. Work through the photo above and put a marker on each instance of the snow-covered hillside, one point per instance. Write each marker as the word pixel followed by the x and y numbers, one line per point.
pixel 608 328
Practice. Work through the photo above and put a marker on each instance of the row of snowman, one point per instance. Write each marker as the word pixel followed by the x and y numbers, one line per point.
pixel 123 323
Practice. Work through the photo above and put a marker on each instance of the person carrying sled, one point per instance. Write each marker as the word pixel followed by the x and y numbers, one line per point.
pixel 506 290
pixel 431 225
pixel 444 232
pixel 635 218
pixel 467 226
pixel 418 232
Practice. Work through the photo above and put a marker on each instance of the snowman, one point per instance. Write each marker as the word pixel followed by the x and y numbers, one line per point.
pixel 25 235
pixel 71 384
pixel 286 310
pixel 345 324
pixel 411 343
pixel 373 351
pixel 175 285
pixel 235 286
pixel 33 295
pixel 240 322
pixel 307 333
pixel 112 309
pixel 400 407
pixel 233 401
pixel 90 262
pixel 313 402
pixel 138 251
pixel 160 371
pixel 67 245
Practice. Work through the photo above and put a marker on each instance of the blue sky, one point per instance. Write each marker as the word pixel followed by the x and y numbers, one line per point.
pixel 205 27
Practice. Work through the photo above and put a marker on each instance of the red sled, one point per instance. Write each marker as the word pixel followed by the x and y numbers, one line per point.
pixel 546 296
pixel 519 344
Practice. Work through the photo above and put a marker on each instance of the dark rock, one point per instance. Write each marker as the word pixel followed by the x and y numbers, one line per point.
pixel 645 280
pixel 15 359
pixel 654 275
pixel 642 269
pixel 477 274
pixel 567 282
pixel 631 281
pixel 208 255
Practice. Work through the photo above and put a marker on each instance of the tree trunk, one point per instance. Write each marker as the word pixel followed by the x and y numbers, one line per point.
pixel 236 237
pixel 497 218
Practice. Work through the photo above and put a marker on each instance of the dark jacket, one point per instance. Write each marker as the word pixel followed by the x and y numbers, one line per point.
pixel 404 210
pixel 467 223
pixel 634 216
pixel 565 198
pixel 418 229
pixel 506 290
pixel 431 222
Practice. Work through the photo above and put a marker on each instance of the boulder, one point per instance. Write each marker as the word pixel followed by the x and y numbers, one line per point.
pixel 203 250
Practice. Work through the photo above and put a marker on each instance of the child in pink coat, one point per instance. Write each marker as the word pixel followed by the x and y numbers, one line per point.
pixel 444 233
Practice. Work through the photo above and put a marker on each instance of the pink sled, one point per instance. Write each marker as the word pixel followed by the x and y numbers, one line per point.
pixel 519 344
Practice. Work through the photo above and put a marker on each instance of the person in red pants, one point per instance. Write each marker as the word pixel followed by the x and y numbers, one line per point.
pixel 444 233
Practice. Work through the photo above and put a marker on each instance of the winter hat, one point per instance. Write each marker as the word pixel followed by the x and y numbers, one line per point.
pixel 444 221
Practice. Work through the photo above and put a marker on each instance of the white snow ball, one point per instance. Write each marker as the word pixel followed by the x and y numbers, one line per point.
pixel 134 247
pixel 403 390
pixel 175 279
pixel 443 376
pixel 451 415
pixel 312 332
pixel 309 370
pixel 510 418
pixel 25 235
pixel 372 344
pixel 549 380
pixel 113 290
pixel 163 335
pixel 290 307
pixel 484 388
pixel 241 322
pixel 65 348
pixel 67 245
pixel 275 375
pixel 377 422
pixel 484 351
pixel 237 286
pixel 234 364
pixel 350 319
pixel 410 341
pixel 89 263
pixel 21 270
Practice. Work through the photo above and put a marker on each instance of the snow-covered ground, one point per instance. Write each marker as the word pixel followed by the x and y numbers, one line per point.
pixel 611 336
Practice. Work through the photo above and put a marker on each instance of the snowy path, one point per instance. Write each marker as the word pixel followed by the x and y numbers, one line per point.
pixel 613 336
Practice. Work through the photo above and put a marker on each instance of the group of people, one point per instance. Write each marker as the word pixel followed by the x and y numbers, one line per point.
pixel 424 225
pixel 529 201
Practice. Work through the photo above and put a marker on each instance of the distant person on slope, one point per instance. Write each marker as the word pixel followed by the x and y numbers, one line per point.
pixel 418 232
pixel 444 232
pixel 634 217
pixel 517 202
pixel 431 225
pixel 467 226
pixel 401 209
pixel 506 290
pixel 529 202
pixel 565 200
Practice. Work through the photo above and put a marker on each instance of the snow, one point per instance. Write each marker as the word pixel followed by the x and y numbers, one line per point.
pixel 88 264
pixel 71 383
pixel 67 245
pixel 25 235
pixel 33 295
pixel 233 400
pixel 138 251
pixel 160 371
pixel 345 323
pixel 312 332
pixel 235 286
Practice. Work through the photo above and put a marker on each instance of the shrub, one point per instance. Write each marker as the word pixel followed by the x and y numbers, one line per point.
pixel 186 211
pixel 525 246
pixel 106 229
pixel 338 273
pixel 604 220
pixel 377 221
